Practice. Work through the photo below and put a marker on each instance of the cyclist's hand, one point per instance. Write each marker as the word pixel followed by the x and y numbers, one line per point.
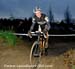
pixel 29 34
pixel 45 31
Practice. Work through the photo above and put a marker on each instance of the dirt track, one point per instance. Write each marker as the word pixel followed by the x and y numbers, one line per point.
pixel 58 57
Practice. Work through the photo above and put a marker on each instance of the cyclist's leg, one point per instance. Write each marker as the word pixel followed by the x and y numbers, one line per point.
pixel 46 44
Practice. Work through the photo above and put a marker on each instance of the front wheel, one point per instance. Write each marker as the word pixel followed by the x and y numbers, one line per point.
pixel 35 53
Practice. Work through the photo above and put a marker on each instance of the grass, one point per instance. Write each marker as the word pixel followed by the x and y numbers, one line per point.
pixel 8 38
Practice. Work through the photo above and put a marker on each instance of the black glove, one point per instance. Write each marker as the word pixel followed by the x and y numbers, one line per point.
pixel 29 34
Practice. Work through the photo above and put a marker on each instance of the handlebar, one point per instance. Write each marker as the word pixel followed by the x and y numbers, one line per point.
pixel 36 33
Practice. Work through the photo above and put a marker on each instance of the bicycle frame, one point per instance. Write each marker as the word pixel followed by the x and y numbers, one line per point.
pixel 40 40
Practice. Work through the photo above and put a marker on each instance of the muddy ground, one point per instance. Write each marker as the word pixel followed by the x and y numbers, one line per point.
pixel 61 55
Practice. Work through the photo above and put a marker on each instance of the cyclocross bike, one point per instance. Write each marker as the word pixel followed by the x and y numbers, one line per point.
pixel 38 47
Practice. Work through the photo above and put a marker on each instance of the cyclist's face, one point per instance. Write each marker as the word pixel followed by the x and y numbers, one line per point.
pixel 38 14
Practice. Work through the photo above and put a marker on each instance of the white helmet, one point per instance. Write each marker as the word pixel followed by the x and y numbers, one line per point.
pixel 36 10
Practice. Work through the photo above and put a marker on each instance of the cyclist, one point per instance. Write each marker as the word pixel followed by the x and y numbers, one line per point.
pixel 42 20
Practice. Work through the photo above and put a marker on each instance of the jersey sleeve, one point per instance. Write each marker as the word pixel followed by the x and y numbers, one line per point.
pixel 48 24
pixel 46 19
pixel 33 20
pixel 33 24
